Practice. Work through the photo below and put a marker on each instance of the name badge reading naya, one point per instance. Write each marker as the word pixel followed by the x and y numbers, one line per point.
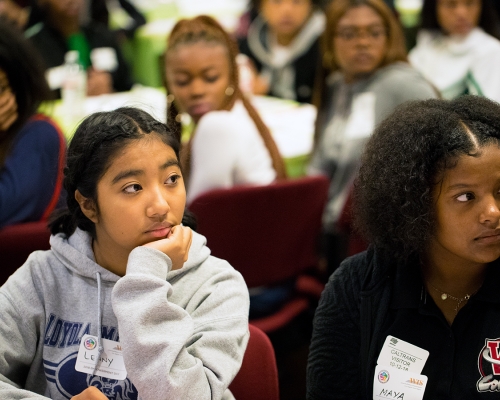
pixel 391 383
pixel 109 364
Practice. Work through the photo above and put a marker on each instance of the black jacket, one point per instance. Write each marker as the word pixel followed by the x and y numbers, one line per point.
pixel 370 297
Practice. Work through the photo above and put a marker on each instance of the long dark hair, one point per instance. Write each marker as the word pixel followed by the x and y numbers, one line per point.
pixel 404 160
pixel 488 20
pixel 205 28
pixel 24 69
pixel 95 143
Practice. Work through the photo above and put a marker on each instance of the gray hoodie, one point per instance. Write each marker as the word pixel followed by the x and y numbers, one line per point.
pixel 348 118
pixel 183 332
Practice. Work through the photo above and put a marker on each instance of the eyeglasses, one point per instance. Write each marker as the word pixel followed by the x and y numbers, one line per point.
pixel 352 33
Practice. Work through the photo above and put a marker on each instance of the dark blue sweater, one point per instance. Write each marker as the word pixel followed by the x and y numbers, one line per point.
pixel 31 172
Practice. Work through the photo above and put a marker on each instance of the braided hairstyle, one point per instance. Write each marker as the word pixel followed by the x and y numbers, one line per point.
pixel 205 29
pixel 94 145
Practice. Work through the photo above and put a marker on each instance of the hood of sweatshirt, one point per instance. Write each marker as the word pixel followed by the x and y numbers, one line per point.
pixel 77 255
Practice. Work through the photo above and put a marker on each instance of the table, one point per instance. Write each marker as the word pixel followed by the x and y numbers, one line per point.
pixel 290 123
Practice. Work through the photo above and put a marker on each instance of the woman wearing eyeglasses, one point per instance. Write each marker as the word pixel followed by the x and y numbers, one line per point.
pixel 366 76
pixel 458 48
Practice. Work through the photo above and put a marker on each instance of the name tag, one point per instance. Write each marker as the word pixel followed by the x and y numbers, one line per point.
pixel 361 122
pixel 109 364
pixel 401 355
pixel 391 383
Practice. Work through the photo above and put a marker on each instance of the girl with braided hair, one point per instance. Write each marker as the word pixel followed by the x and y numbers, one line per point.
pixel 230 144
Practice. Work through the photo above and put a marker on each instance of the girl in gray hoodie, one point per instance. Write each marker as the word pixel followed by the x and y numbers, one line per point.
pixel 128 303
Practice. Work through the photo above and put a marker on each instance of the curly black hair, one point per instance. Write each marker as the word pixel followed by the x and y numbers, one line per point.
pixel 404 160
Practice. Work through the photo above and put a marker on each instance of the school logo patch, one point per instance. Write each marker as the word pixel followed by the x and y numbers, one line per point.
pixel 488 364
pixel 70 382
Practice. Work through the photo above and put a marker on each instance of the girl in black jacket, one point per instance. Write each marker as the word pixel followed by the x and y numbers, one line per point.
pixel 428 199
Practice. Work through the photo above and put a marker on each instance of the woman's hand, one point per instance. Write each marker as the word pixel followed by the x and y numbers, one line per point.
pixel 99 82
pixel 8 109
pixel 176 245
pixel 91 393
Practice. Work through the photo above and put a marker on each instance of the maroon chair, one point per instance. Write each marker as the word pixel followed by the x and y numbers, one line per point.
pixel 17 242
pixel 270 234
pixel 258 375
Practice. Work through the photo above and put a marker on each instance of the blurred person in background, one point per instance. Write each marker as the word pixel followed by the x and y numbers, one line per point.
pixel 366 76
pixel 32 149
pixel 26 13
pixel 283 45
pixel 230 145
pixel 100 11
pixel 60 31
pixel 458 48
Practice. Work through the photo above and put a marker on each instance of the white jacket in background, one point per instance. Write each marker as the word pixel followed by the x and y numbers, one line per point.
pixel 458 64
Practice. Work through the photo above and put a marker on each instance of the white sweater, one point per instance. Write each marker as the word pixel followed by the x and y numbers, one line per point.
pixel 227 151
pixel 456 65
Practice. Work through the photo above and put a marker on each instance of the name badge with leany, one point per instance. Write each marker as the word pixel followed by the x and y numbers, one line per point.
pixel 109 364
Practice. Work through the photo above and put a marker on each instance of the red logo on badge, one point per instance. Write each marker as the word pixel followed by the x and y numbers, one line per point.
pixel 489 366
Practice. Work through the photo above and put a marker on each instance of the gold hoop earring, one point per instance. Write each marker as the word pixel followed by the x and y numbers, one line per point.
pixel 170 98
pixel 178 118
pixel 229 91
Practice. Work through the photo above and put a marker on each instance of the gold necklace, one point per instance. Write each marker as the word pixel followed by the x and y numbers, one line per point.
pixel 446 296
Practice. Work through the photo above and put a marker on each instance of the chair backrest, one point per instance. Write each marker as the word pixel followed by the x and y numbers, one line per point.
pixel 268 233
pixel 258 375
pixel 17 242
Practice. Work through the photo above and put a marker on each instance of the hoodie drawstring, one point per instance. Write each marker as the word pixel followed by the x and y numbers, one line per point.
pixel 99 321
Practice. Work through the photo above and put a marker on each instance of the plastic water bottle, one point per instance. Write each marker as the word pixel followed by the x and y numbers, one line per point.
pixel 246 74
pixel 74 87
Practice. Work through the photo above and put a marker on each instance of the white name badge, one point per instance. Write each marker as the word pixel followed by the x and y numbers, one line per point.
pixel 398 354
pixel 391 383
pixel 110 363
pixel 361 121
